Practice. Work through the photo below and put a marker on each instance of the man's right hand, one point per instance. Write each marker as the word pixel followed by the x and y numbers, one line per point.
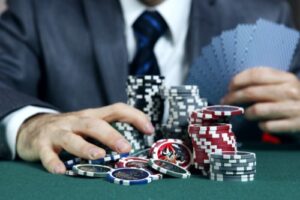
pixel 42 137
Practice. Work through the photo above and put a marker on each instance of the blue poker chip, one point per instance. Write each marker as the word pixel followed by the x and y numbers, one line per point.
pixel 108 158
pixel 129 176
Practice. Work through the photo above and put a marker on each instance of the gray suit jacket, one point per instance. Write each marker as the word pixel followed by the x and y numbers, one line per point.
pixel 71 54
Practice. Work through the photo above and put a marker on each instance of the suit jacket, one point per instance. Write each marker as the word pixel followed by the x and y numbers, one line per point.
pixel 71 54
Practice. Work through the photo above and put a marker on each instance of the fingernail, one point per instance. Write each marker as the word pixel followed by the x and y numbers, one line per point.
pixel 122 146
pixel 94 153
pixel 149 128
pixel 59 169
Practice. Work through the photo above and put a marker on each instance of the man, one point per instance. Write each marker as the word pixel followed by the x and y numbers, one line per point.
pixel 73 57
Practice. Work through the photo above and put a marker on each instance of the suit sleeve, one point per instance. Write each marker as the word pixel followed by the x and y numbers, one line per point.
pixel 20 63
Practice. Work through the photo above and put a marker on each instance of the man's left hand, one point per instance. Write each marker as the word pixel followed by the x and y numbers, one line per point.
pixel 274 97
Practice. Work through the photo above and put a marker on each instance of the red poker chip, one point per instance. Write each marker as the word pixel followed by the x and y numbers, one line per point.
pixel 212 127
pixel 157 143
pixel 223 110
pixel 198 114
pixel 174 151
pixel 219 144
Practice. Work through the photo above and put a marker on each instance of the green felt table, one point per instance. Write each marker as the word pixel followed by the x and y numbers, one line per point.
pixel 278 177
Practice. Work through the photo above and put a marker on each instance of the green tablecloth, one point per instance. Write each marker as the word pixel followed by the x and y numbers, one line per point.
pixel 278 177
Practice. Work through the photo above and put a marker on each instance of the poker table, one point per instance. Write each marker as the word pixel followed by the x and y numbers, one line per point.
pixel 278 177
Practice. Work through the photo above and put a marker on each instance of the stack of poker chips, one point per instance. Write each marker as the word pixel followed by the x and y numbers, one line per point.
pixel 182 100
pixel 131 134
pixel 210 133
pixel 233 166
pixel 143 93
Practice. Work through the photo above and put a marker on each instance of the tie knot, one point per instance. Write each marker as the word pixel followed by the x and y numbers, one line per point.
pixel 149 27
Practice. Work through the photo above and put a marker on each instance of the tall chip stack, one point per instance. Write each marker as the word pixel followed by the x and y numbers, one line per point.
pixel 132 135
pixel 143 93
pixel 182 101
pixel 211 133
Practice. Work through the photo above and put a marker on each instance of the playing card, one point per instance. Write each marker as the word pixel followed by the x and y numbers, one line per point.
pixel 248 46
pixel 200 74
pixel 273 46
pixel 228 47
pixel 244 37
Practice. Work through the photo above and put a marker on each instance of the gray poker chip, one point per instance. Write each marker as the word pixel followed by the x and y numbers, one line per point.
pixel 236 169
pixel 231 155
pixel 240 178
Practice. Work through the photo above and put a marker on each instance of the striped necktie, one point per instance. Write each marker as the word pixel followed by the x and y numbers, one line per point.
pixel 148 28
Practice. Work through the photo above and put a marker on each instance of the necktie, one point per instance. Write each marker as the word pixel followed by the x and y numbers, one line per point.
pixel 148 28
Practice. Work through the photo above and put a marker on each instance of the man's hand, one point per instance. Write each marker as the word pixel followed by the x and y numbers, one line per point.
pixel 42 137
pixel 275 96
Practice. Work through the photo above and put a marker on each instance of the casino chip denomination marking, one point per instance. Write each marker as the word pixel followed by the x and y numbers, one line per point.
pixel 195 135
pixel 129 176
pixel 174 151
pixel 91 170
pixel 135 162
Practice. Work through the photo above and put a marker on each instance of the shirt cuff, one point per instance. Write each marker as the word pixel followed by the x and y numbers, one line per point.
pixel 14 120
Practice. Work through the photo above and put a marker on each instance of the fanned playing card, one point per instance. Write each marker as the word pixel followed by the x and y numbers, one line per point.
pixel 273 45
pixel 262 44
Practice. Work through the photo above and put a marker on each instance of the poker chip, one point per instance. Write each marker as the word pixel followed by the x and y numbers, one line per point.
pixel 211 127
pixel 108 158
pixel 231 155
pixel 129 176
pixel 174 151
pixel 240 178
pixel 169 168
pixel 232 173
pixel 75 161
pixel 141 153
pixel 135 162
pixel 70 173
pixel 91 170
pixel 223 110
pixel 237 164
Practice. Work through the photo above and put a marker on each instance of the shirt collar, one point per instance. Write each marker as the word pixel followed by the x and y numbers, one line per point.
pixel 175 13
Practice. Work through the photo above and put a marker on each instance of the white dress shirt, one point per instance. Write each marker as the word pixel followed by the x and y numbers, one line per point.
pixel 169 51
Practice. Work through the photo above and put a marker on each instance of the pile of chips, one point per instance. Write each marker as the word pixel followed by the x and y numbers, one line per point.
pixel 182 100
pixel 212 135
pixel 195 135
pixel 138 168
pixel 232 166
pixel 144 94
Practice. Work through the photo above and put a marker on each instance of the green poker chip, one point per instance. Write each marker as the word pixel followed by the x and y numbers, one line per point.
pixel 169 168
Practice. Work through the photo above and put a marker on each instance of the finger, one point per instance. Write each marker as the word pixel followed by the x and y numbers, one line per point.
pixel 51 161
pixel 281 126
pixel 269 111
pixel 125 113
pixel 256 94
pixel 76 145
pixel 104 133
pixel 260 76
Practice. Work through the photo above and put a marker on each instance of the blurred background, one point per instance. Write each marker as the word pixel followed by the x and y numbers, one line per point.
pixel 295 6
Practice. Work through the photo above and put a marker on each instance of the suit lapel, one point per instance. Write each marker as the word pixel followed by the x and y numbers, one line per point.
pixel 203 23
pixel 105 21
